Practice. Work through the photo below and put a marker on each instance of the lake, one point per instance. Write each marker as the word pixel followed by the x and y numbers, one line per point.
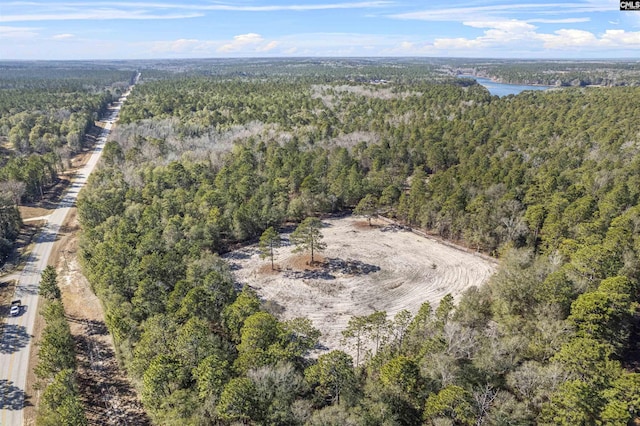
pixel 502 89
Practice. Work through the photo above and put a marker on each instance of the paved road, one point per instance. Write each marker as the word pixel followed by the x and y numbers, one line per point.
pixel 17 335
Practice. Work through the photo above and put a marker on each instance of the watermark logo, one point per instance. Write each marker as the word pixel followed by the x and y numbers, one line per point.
pixel 629 5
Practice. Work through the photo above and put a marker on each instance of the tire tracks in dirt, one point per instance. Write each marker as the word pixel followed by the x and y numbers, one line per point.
pixel 413 269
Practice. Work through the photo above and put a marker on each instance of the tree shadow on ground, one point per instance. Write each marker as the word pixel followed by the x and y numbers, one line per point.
pixel 12 397
pixel 309 274
pixel 240 254
pixel 14 338
pixel 48 236
pixel 349 266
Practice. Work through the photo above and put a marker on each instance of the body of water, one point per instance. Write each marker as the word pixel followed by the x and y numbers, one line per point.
pixel 502 89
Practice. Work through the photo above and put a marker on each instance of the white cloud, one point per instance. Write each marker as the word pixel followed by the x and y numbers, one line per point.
pixel 352 44
pixel 458 43
pixel 514 34
pixel 566 38
pixel 501 11
pixel 269 46
pixel 559 21
pixel 611 39
pixel 407 45
pixel 58 11
pixel 63 36
pixel 241 42
pixel 621 38
pixel 188 47
pixel 311 44
pixel 97 14
pixel 298 7
pixel 17 32
pixel 511 25
pixel 498 33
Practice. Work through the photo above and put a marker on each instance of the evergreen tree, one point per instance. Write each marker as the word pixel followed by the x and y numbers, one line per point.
pixel 269 240
pixel 49 284
pixel 307 236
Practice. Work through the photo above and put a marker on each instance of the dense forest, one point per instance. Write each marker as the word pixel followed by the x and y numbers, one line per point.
pixel 546 181
pixel 46 110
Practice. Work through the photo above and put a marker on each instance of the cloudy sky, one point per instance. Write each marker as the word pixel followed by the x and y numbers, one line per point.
pixel 95 29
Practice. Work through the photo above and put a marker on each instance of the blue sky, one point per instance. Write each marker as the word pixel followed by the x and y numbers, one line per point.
pixel 121 29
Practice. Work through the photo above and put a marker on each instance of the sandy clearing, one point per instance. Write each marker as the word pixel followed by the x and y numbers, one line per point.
pixel 412 270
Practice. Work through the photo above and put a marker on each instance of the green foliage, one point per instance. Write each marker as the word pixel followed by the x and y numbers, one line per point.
pixel 258 341
pixel 264 340
pixel 112 153
pixel 215 156
pixel 399 327
pixel 378 328
pixel 402 376
pixel 589 360
pixel 158 337
pixel 367 207
pixel 422 318
pixel 235 314
pixel 621 285
pixel 10 223
pixel 212 373
pixel 333 415
pixel 332 376
pixel 208 298
pixel 556 289
pixel 60 403
pixel 603 316
pixel 56 348
pixel 194 342
pixel 307 236
pixel 452 402
pixel 374 328
pixel 237 400
pixel 160 380
pixel 269 240
pixel 515 284
pixel 444 310
pixel 622 400
pixel 49 284
pixel 298 337
pixel 45 113
pixel 574 403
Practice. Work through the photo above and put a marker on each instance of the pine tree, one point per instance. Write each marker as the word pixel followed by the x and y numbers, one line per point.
pixel 307 236
pixel 269 240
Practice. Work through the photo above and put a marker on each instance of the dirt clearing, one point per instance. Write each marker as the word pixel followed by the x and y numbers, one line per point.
pixel 365 269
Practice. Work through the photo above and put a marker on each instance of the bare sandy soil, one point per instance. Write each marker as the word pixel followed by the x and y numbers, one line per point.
pixel 387 269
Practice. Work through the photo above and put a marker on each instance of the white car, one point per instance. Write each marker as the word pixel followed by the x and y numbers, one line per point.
pixel 15 308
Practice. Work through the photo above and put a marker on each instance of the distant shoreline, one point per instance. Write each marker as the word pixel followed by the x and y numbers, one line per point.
pixel 496 81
